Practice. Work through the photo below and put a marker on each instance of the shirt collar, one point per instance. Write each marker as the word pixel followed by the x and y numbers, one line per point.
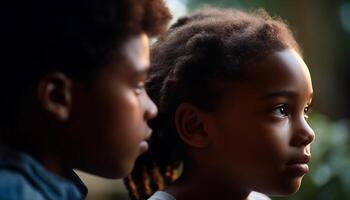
pixel 49 184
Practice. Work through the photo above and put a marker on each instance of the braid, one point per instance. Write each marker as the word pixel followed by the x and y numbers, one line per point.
pixel 146 178
pixel 131 187
pixel 189 64
pixel 158 182
pixel 172 172
pixel 146 188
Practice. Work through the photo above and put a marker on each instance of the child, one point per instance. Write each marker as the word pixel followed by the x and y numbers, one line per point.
pixel 233 95
pixel 72 92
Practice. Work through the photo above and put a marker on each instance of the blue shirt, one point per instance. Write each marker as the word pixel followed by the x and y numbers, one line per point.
pixel 23 178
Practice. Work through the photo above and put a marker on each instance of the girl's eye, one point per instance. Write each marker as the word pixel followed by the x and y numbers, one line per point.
pixel 140 87
pixel 307 111
pixel 280 111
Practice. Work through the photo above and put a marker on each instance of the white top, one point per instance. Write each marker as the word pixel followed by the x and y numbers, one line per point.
pixel 161 195
pixel 257 196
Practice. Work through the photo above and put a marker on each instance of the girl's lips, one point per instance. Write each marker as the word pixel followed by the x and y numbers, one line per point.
pixel 298 166
pixel 298 169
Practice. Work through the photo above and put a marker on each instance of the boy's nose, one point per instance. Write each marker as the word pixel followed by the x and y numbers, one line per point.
pixel 151 108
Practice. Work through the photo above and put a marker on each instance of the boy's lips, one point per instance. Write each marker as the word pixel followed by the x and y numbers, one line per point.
pixel 144 144
pixel 148 135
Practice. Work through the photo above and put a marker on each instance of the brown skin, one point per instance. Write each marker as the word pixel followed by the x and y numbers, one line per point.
pixel 99 127
pixel 258 139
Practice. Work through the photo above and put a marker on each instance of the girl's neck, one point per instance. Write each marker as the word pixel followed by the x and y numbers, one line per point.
pixel 195 184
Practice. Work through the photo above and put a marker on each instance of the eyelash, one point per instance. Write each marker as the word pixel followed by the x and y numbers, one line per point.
pixel 307 111
pixel 139 88
pixel 284 111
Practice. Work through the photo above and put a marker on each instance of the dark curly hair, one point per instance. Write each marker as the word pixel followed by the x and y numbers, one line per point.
pixel 73 35
pixel 191 63
pixel 76 37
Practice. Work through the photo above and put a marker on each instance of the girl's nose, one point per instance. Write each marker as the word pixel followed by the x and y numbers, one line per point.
pixel 303 134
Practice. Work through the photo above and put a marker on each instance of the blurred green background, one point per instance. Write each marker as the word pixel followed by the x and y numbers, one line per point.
pixel 323 30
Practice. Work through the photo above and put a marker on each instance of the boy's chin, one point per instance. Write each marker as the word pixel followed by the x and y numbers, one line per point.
pixel 110 172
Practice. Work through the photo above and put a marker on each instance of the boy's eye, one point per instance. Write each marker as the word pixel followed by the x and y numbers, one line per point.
pixel 140 87
pixel 280 111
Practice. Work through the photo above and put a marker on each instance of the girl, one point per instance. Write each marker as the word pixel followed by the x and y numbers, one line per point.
pixel 234 95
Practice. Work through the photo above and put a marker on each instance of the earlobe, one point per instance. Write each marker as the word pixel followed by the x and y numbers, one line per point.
pixel 54 95
pixel 190 126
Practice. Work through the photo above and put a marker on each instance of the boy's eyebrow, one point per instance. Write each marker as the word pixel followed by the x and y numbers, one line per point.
pixel 284 93
pixel 144 70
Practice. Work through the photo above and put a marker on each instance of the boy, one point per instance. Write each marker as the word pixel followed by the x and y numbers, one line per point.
pixel 72 92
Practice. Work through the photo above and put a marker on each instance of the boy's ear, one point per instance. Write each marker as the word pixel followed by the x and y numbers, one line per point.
pixel 190 126
pixel 54 93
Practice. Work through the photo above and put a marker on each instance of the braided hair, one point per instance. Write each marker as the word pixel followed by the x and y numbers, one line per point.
pixel 191 63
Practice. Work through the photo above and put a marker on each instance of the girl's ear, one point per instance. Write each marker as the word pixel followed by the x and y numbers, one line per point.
pixel 190 126
pixel 54 95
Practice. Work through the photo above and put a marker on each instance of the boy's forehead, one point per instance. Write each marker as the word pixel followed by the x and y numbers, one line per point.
pixel 136 50
pixel 133 56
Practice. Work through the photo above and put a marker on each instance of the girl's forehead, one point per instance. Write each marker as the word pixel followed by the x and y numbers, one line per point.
pixel 280 66
pixel 281 76
pixel 281 71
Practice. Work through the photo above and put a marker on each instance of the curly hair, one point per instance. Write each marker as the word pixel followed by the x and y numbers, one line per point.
pixel 191 63
pixel 73 36
pixel 76 37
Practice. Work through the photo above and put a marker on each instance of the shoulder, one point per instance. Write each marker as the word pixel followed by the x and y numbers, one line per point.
pixel 160 195
pixel 257 196
pixel 14 185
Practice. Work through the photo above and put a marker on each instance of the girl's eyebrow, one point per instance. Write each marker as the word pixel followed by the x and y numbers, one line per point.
pixel 284 93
